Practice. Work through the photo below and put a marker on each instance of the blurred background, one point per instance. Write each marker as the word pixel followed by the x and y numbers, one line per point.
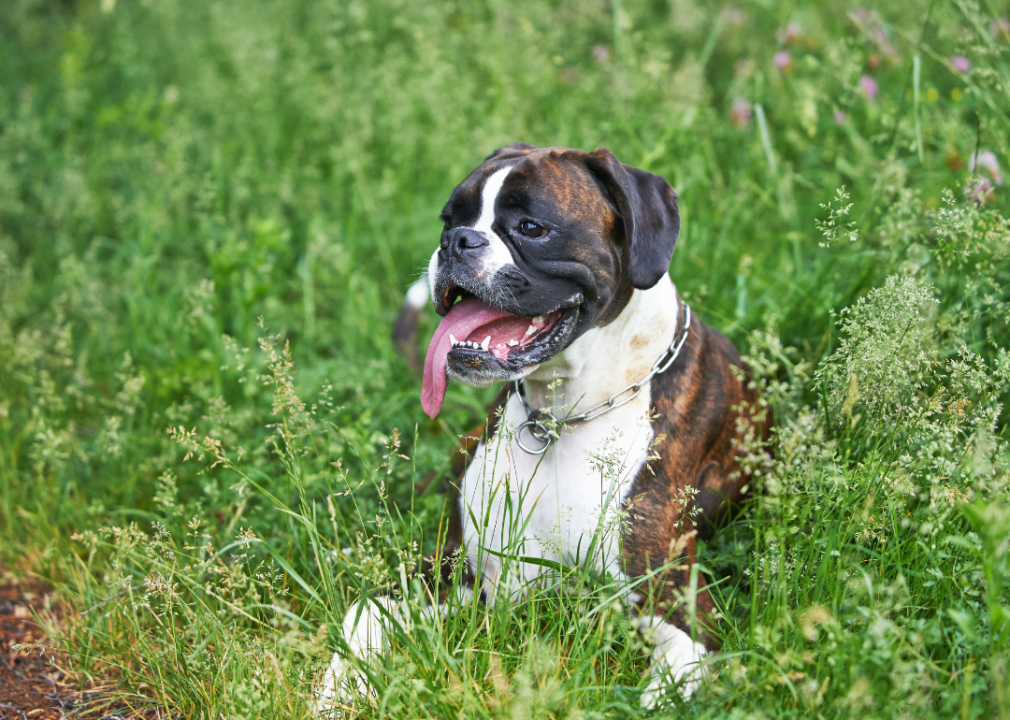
pixel 174 171
pixel 208 205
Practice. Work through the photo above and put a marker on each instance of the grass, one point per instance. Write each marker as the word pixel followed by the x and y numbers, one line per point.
pixel 209 212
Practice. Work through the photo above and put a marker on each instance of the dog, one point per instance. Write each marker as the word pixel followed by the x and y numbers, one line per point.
pixel 552 275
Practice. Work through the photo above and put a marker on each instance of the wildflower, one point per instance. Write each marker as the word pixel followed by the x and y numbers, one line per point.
pixel 840 117
pixel 601 53
pixel 960 63
pixel 869 86
pixel 789 33
pixel 1000 27
pixel 870 23
pixel 783 61
pixel 740 115
pixel 880 38
pixel 981 192
pixel 987 161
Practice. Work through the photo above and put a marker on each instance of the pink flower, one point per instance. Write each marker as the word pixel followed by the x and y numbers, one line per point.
pixel 740 115
pixel 1000 27
pixel 790 32
pixel 880 37
pixel 783 61
pixel 870 23
pixel 981 192
pixel 986 160
pixel 961 63
pixel 869 86
pixel 840 117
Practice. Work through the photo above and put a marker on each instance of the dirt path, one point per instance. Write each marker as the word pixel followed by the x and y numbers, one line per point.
pixel 31 686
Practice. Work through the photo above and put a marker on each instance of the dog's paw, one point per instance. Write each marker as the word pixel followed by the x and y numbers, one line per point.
pixel 339 685
pixel 654 694
pixel 663 686
pixel 364 630
pixel 676 662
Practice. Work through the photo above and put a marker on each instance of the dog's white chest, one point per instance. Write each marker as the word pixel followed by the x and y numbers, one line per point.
pixel 552 506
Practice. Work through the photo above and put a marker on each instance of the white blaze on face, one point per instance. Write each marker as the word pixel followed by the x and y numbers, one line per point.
pixel 432 275
pixel 497 255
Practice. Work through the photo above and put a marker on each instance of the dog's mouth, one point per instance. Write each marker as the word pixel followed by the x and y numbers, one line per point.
pixel 479 343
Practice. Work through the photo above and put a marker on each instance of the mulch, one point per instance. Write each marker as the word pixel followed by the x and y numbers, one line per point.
pixel 32 686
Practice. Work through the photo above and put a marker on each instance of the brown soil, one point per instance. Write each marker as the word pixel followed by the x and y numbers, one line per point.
pixel 32 687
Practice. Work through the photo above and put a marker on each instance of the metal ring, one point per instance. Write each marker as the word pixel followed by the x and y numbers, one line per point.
pixel 539 432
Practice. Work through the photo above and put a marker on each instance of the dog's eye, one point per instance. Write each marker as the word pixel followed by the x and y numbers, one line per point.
pixel 531 230
pixel 446 223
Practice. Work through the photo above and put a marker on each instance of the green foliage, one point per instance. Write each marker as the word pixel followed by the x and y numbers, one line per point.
pixel 209 212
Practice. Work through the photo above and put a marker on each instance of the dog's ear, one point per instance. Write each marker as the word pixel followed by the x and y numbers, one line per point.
pixel 514 150
pixel 648 207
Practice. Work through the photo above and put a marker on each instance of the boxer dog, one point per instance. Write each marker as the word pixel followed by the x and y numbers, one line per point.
pixel 552 276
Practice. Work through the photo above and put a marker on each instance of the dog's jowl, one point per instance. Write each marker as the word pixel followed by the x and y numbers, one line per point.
pixel 552 276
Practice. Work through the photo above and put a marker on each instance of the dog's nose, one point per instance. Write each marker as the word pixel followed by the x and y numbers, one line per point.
pixel 461 240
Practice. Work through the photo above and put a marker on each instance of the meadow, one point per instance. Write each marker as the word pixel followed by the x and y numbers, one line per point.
pixel 210 211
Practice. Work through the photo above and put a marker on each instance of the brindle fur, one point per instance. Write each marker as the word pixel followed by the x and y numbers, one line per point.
pixel 696 406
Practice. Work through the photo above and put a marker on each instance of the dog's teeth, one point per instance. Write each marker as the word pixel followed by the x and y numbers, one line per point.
pixel 530 330
pixel 486 344
pixel 453 340
pixel 513 343
pixel 538 320
pixel 499 346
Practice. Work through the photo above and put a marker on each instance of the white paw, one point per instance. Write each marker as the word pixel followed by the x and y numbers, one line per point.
pixel 364 629
pixel 676 661
pixel 338 685
pixel 655 692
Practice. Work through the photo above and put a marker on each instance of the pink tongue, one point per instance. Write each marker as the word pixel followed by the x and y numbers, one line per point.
pixel 464 317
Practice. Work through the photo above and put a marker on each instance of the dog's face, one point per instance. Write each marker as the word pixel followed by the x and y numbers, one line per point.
pixel 540 245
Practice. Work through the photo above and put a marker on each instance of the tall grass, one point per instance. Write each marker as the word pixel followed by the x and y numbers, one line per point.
pixel 209 212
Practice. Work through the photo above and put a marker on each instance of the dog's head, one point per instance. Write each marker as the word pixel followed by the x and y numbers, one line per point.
pixel 539 246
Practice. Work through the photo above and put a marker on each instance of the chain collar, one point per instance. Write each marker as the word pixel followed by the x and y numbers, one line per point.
pixel 543 427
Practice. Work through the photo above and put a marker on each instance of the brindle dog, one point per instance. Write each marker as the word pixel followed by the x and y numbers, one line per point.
pixel 552 275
